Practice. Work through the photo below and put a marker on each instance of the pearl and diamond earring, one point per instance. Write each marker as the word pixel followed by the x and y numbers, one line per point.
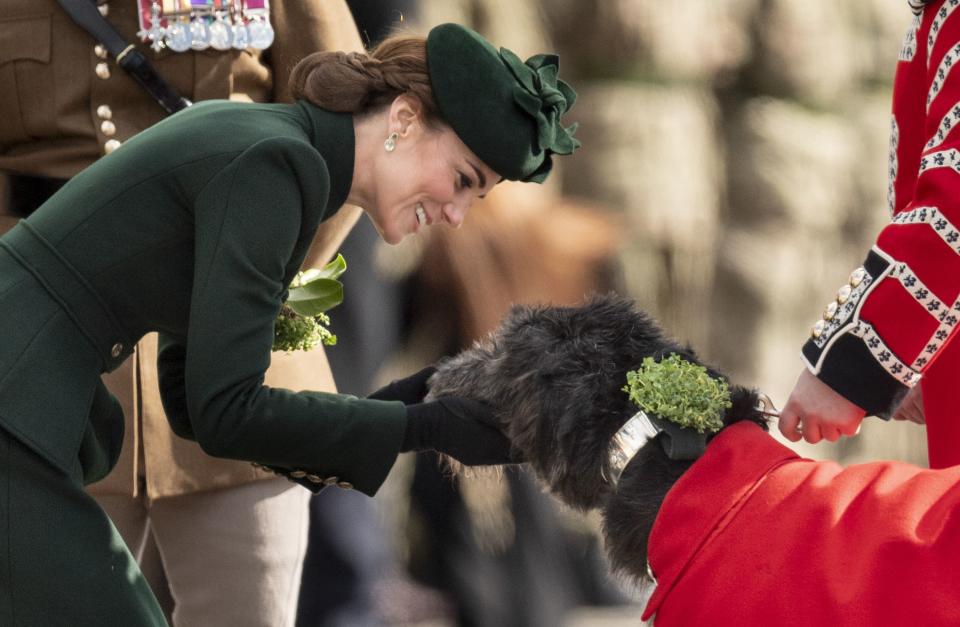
pixel 391 142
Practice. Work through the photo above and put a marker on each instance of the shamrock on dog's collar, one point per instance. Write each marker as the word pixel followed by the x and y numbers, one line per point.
pixel 676 397
pixel 680 392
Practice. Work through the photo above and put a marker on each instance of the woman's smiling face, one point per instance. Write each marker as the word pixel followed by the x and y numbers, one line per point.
pixel 430 177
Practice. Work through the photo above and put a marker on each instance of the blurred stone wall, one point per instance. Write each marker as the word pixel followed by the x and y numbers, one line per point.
pixel 745 142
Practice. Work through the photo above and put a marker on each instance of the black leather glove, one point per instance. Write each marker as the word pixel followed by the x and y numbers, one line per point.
pixel 409 390
pixel 460 427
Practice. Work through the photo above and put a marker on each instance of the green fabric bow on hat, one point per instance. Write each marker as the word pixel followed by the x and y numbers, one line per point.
pixel 506 111
pixel 544 97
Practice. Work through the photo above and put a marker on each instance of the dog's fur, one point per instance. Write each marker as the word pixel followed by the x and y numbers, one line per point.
pixel 555 376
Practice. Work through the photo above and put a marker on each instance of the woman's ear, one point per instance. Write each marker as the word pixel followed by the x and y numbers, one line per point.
pixel 405 115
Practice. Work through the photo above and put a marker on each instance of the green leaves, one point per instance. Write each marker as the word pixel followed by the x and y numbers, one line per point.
pixel 679 391
pixel 332 270
pixel 315 291
pixel 302 321
pixel 293 332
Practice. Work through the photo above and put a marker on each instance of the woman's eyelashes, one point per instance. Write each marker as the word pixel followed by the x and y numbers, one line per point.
pixel 465 182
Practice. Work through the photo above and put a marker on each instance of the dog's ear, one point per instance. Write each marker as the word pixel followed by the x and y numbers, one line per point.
pixel 573 396
pixel 567 446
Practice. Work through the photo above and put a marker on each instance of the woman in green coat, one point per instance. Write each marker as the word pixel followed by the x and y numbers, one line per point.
pixel 195 228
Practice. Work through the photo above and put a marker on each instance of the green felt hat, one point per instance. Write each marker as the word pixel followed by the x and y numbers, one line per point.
pixel 506 111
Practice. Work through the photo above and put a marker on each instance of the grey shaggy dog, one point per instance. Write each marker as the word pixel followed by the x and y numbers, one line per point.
pixel 554 376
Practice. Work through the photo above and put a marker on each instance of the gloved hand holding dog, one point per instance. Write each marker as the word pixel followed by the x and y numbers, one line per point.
pixel 408 390
pixel 462 428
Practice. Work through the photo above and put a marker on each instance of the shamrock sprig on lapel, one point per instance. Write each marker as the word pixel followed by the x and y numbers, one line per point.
pixel 302 322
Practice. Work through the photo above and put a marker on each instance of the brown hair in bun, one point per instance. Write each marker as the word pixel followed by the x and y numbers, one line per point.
pixel 354 82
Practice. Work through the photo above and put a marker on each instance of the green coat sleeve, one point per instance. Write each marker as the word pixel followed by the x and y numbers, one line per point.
pixel 249 224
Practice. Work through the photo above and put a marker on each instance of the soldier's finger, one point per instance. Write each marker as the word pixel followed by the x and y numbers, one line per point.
pixel 789 425
pixel 830 433
pixel 850 429
pixel 811 431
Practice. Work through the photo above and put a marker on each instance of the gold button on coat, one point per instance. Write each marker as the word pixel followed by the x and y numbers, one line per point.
pixel 830 311
pixel 104 112
pixel 104 9
pixel 102 70
pixel 843 294
pixel 100 50
pixel 110 145
pixel 817 330
pixel 857 276
pixel 108 128
pixel 116 350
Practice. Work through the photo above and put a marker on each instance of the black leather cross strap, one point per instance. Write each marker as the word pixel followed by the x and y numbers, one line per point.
pixel 133 62
pixel 683 444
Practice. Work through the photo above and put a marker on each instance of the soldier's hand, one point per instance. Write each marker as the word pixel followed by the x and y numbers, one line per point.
pixel 816 412
pixel 911 407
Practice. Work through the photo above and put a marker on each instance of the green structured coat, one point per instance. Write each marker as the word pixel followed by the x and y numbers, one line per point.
pixel 194 228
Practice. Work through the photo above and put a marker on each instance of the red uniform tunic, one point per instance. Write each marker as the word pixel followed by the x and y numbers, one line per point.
pixel 894 324
pixel 754 535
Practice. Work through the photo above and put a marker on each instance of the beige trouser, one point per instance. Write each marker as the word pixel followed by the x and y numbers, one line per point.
pixel 232 556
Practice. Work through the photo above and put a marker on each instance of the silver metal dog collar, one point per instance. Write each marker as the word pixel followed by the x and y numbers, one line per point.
pixel 626 442
pixel 639 430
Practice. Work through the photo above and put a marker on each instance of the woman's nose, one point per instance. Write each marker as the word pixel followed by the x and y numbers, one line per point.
pixel 454 214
